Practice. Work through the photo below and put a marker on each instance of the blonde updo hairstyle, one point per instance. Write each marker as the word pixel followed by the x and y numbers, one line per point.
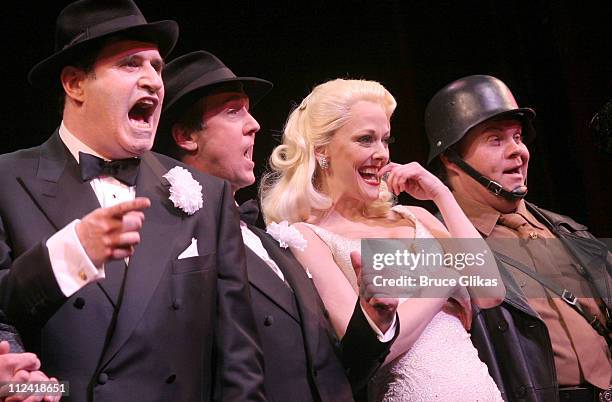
pixel 291 190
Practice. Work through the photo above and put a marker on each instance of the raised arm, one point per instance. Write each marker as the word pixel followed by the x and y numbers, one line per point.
pixel 413 179
pixel 339 297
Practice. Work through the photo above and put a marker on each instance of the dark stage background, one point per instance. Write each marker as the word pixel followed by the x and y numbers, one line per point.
pixel 555 56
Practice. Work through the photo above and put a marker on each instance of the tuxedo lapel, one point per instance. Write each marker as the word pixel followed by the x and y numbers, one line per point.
pixel 151 256
pixel 267 282
pixel 61 195
pixel 303 287
pixel 57 188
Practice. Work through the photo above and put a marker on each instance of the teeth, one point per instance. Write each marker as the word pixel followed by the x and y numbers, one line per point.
pixel 146 102
pixel 368 170
pixel 141 124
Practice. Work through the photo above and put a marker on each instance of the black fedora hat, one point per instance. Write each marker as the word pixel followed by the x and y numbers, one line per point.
pixel 189 77
pixel 85 22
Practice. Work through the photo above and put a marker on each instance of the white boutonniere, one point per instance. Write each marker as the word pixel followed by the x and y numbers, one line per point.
pixel 185 191
pixel 287 235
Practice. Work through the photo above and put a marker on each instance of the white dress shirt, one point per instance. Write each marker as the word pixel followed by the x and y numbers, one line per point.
pixel 71 266
pixel 252 241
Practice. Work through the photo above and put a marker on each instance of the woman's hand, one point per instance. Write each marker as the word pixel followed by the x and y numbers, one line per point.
pixel 413 179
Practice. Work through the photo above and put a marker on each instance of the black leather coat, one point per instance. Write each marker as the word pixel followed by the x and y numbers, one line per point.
pixel 513 341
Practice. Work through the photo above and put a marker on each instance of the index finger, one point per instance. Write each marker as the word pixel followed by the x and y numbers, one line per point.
pixel 137 204
pixel 387 168
pixel 4 347
pixel 22 361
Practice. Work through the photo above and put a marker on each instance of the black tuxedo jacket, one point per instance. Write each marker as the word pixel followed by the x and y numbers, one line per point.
pixel 304 360
pixel 181 322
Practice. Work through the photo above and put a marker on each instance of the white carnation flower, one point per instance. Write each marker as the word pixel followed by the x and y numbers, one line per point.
pixel 185 191
pixel 287 235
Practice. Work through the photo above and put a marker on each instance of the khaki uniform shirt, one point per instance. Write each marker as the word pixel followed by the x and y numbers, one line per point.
pixel 581 355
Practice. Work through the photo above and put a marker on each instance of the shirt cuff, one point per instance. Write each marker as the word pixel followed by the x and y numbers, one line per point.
pixel 70 264
pixel 387 336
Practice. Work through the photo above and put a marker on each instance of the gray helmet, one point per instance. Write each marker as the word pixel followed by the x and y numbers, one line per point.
pixel 465 103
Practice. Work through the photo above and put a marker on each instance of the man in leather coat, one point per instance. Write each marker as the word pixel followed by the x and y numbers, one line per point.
pixel 548 340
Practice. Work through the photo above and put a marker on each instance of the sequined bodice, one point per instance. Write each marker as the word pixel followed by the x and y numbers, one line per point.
pixel 341 247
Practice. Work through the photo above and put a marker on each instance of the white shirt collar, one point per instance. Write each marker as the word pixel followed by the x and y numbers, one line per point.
pixel 75 145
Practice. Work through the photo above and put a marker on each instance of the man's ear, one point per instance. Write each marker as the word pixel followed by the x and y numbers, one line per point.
pixel 72 79
pixel 185 140
pixel 448 165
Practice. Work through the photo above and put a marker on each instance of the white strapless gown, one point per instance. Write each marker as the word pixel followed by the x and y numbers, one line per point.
pixel 442 365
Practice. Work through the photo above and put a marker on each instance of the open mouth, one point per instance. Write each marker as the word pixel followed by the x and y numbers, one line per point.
pixel 142 112
pixel 515 170
pixel 248 154
pixel 369 175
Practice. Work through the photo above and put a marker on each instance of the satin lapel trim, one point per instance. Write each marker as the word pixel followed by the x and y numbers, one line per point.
pixel 145 268
pixel 267 282
pixel 57 188
pixel 308 299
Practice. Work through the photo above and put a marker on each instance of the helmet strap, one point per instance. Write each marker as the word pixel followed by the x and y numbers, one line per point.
pixel 491 185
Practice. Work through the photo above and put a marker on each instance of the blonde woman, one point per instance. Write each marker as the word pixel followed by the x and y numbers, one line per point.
pixel 326 181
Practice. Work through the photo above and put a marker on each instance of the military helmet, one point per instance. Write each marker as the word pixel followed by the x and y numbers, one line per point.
pixel 465 103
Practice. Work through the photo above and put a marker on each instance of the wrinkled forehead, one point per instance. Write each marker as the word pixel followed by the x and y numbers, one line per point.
pixel 217 101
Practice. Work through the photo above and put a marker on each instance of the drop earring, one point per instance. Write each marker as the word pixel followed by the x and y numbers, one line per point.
pixel 323 162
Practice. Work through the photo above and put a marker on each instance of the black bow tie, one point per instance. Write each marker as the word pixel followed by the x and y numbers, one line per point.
pixel 124 170
pixel 249 211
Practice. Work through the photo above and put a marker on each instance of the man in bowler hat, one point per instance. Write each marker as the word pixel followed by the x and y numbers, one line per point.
pixel 206 122
pixel 123 269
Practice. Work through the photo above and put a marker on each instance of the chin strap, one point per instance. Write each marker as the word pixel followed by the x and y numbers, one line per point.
pixel 491 185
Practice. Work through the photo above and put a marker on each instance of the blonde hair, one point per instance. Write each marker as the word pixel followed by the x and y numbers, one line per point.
pixel 289 191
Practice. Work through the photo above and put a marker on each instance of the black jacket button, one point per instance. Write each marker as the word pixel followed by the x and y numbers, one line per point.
pixel 502 325
pixel 176 303
pixel 171 379
pixel 269 320
pixel 102 378
pixel 79 303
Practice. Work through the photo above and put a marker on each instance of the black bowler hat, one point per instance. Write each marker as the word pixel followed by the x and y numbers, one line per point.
pixel 191 76
pixel 85 22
